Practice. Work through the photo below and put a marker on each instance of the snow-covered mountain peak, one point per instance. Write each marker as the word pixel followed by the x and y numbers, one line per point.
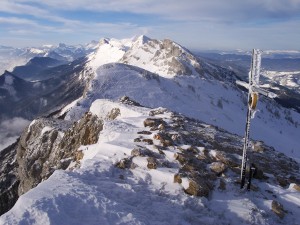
pixel 108 51
pixel 103 41
pixel 91 45
pixel 165 58
pixel 62 45
pixel 140 40
pixel 35 51
pixel 48 46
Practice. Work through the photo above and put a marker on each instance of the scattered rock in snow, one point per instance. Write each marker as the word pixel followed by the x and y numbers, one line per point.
pixel 258 146
pixel 128 101
pixel 126 163
pixel 145 132
pixel 78 155
pixel 177 178
pixel 148 141
pixel 199 187
pixel 296 187
pixel 218 167
pixel 153 123
pixel 227 159
pixel 200 179
pixel 152 163
pixel 161 127
pixel 114 113
pixel 176 137
pixel 137 140
pixel 143 152
pixel 278 209
pixel 159 149
pixel 157 111
pixel 164 139
pixel 282 181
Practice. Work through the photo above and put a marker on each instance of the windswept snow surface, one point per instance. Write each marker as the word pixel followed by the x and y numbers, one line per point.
pixel 100 193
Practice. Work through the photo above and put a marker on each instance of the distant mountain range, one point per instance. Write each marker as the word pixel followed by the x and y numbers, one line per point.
pixel 11 57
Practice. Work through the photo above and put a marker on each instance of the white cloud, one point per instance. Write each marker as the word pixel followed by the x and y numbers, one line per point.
pixel 211 23
pixel 200 10
pixel 16 20
pixel 10 130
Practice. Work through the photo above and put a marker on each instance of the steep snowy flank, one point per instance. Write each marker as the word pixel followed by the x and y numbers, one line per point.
pixel 157 167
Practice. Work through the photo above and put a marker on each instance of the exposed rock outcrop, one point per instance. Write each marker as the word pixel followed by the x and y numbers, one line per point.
pixel 50 144
pixel 296 187
pixel 8 178
pixel 278 209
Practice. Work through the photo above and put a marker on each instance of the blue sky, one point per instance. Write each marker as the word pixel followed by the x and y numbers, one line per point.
pixel 196 24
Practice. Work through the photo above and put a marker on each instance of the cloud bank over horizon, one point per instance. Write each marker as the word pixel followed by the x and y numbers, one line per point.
pixel 215 24
pixel 10 130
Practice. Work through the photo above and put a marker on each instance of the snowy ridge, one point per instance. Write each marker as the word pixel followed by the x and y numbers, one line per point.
pixel 116 184
pixel 216 103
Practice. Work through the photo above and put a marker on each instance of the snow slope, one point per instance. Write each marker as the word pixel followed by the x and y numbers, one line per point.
pixel 98 192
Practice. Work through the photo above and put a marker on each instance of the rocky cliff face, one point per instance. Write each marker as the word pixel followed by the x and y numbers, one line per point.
pixel 45 146
pixel 8 178
pixel 51 144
